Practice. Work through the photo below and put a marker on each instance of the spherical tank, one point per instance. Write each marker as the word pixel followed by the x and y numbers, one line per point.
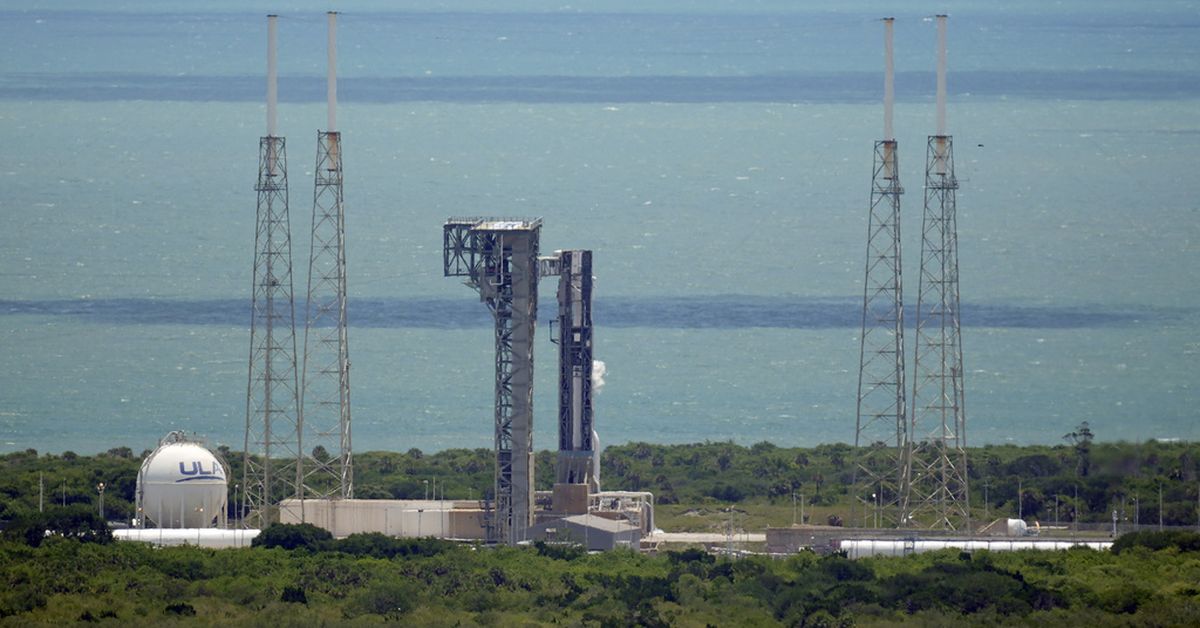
pixel 182 485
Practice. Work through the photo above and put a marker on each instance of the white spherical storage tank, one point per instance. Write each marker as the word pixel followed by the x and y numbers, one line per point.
pixel 181 485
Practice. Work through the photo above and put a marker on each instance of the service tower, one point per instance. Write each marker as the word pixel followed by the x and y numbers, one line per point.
pixel 499 258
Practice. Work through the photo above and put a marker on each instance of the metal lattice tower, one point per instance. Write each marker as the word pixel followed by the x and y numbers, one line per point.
pixel 500 260
pixel 325 377
pixel 575 462
pixel 938 496
pixel 272 445
pixel 881 420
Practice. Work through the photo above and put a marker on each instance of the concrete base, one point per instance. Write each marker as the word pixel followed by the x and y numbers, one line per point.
pixel 570 499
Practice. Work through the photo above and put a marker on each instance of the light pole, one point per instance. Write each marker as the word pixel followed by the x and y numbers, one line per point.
pixel 100 489
pixel 1137 512
pixel 426 483
pixel 802 508
pixel 1075 515
pixel 1056 509
pixel 1020 506
pixel 793 509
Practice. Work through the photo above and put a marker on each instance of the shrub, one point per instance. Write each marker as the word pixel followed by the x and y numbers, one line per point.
pixel 293 594
pixel 1183 541
pixel 389 598
pixel 292 536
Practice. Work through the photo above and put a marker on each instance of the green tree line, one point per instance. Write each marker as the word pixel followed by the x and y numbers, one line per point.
pixel 1085 480
pixel 296 575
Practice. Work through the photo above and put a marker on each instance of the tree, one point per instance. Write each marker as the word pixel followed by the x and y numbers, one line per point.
pixel 77 521
pixel 1082 439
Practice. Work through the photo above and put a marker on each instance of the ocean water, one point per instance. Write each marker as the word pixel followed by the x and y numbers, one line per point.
pixel 716 156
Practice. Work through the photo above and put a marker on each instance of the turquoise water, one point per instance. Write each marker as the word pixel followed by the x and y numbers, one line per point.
pixel 717 159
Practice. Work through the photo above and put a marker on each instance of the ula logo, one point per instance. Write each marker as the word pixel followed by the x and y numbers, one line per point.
pixel 198 472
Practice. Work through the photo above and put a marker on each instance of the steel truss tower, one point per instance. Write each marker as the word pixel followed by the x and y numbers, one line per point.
pixel 938 496
pixel 881 422
pixel 575 462
pixel 272 448
pixel 325 377
pixel 500 260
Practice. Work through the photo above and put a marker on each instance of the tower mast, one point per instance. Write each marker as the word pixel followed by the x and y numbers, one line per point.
pixel 328 462
pixel 271 468
pixel 938 495
pixel 881 425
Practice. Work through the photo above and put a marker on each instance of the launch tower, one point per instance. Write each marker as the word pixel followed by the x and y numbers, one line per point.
pixel 499 258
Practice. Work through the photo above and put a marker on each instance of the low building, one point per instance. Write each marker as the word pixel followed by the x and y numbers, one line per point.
pixel 447 519
pixel 594 532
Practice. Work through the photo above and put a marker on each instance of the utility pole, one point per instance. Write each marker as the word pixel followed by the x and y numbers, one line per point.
pixel 41 491
pixel 729 536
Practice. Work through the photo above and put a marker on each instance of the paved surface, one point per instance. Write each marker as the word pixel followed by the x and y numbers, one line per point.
pixel 706 537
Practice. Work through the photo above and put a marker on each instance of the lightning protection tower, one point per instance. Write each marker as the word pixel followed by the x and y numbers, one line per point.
pixel 575 463
pixel 499 258
pixel 272 448
pixel 938 493
pixel 325 376
pixel 881 424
